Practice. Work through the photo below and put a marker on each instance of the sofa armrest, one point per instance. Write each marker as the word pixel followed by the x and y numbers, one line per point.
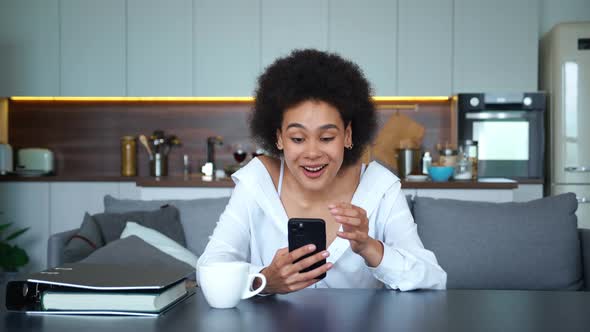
pixel 585 243
pixel 55 247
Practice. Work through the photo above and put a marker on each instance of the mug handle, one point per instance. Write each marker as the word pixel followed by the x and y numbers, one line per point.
pixel 248 293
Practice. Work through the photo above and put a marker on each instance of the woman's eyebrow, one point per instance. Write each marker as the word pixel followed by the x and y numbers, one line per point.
pixel 295 125
pixel 323 127
pixel 329 126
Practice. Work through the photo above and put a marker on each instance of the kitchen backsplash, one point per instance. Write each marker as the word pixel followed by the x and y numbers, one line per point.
pixel 85 134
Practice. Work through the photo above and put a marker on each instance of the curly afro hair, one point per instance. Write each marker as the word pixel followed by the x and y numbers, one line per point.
pixel 313 75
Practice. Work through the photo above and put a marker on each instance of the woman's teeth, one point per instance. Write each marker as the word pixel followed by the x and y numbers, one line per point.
pixel 314 169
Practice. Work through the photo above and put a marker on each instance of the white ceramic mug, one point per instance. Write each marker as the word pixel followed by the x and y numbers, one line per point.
pixel 224 284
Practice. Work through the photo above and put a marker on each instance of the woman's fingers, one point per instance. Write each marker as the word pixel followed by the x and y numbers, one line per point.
pixel 348 214
pixel 353 236
pixel 290 257
pixel 309 261
pixel 347 220
pixel 315 273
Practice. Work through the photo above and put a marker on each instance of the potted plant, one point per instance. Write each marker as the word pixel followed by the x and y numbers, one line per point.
pixel 11 256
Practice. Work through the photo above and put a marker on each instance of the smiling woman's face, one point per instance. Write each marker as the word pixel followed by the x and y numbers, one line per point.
pixel 313 138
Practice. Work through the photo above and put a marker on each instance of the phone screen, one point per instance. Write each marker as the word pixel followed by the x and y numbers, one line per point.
pixel 304 231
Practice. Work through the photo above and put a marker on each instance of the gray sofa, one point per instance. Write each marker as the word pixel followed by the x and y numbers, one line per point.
pixel 533 245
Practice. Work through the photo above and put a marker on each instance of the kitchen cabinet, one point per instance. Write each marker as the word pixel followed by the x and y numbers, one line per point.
pixel 92 47
pixel 480 195
pixel 365 32
pixel 26 204
pixel 70 200
pixel 287 25
pixel 495 47
pixel 159 48
pixel 528 192
pixel 227 47
pixel 425 48
pixel 159 193
pixel 29 54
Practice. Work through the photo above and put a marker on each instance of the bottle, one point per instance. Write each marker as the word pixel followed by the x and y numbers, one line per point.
pixel 426 162
pixel 186 166
pixel 128 156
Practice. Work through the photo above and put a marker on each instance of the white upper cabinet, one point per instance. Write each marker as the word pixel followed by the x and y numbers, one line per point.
pixel 92 48
pixel 29 51
pixel 425 48
pixel 495 45
pixel 160 48
pixel 287 25
pixel 365 32
pixel 227 47
pixel 71 200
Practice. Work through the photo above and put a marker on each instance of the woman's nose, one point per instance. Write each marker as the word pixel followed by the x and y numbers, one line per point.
pixel 313 149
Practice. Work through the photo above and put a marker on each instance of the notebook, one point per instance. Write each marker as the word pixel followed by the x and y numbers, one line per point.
pixel 84 288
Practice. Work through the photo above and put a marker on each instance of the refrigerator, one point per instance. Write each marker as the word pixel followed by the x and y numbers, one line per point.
pixel 565 76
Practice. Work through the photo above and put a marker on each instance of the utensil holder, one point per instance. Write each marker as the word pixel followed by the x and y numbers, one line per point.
pixel 159 165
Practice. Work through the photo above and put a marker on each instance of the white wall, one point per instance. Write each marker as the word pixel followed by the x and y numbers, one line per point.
pixel 556 11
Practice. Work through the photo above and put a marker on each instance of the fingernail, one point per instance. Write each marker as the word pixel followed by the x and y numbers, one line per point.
pixel 311 247
pixel 330 265
pixel 331 206
pixel 339 217
pixel 325 254
pixel 334 211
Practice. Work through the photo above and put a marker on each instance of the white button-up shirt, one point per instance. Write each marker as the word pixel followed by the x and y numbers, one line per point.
pixel 254 226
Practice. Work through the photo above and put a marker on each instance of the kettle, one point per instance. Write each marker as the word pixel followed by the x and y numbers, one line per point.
pixel 6 164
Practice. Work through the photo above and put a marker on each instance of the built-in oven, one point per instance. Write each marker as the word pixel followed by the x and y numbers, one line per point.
pixel 509 129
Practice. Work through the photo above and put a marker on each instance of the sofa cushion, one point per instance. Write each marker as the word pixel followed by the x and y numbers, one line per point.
pixel 87 239
pixel 532 245
pixel 198 216
pixel 102 228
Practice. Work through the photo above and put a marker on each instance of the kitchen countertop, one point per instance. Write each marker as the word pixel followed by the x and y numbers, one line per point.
pixel 196 181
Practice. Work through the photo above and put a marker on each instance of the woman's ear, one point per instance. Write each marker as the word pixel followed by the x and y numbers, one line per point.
pixel 348 135
pixel 279 140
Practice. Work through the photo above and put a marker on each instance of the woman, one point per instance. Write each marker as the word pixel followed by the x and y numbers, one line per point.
pixel 314 114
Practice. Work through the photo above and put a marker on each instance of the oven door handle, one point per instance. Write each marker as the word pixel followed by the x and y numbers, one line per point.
pixel 578 169
pixel 495 115
pixel 583 200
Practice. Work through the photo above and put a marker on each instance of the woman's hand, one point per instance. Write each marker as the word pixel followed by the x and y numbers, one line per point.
pixel 283 276
pixel 355 226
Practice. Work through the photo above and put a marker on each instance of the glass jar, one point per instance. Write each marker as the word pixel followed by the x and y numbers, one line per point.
pixel 463 169
pixel 448 157
pixel 471 149
pixel 128 156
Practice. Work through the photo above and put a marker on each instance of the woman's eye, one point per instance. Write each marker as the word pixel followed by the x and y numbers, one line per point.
pixel 327 139
pixel 296 139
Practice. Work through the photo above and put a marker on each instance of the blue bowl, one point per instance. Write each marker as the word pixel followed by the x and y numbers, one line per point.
pixel 440 173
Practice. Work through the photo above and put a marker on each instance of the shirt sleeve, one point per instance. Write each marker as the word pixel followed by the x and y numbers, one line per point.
pixel 230 240
pixel 406 264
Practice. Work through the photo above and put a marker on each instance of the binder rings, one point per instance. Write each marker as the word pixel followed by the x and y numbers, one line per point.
pixel 95 279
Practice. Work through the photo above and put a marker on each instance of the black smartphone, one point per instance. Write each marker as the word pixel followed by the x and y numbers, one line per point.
pixel 304 231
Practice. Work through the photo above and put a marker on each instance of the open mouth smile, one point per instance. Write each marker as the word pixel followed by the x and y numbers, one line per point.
pixel 314 171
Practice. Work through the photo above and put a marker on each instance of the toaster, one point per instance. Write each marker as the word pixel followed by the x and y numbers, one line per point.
pixel 35 160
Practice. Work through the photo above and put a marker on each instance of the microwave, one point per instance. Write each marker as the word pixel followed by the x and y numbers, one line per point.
pixel 509 129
